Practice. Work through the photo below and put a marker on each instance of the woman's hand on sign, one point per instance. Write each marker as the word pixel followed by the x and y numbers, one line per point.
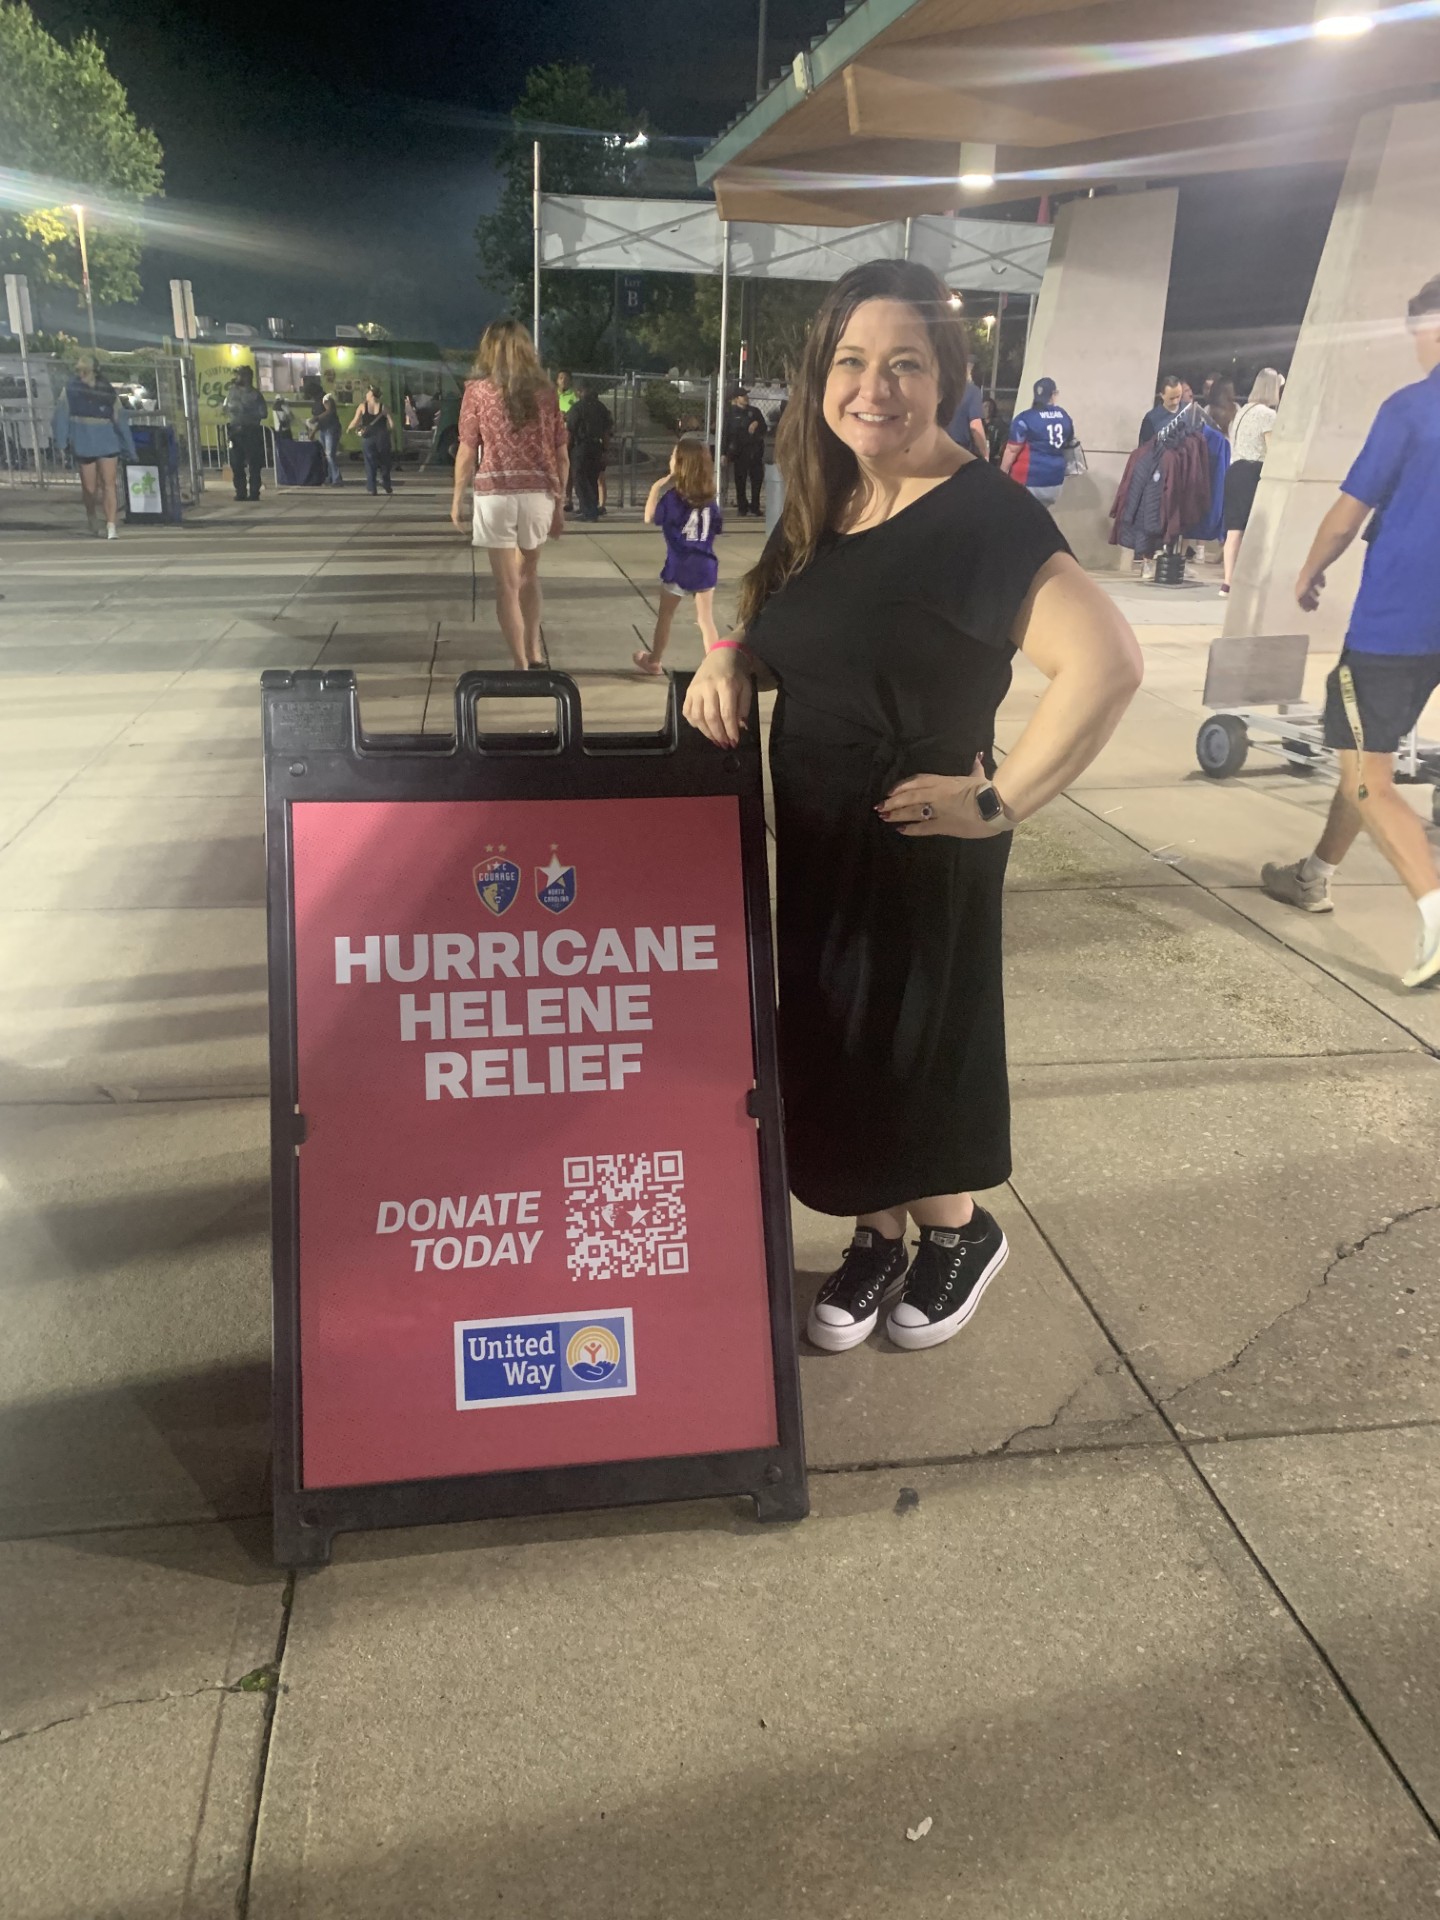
pixel 934 803
pixel 718 703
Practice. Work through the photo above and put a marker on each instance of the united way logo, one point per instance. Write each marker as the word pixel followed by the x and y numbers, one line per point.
pixel 538 1359
pixel 593 1354
pixel 497 881
pixel 555 885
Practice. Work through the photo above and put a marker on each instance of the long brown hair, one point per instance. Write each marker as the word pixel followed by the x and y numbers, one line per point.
pixel 506 355
pixel 819 470
pixel 694 473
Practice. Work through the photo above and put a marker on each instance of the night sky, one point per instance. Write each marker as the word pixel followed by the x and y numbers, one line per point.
pixel 332 160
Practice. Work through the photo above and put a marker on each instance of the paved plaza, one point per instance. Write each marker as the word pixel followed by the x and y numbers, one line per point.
pixel 1123 1603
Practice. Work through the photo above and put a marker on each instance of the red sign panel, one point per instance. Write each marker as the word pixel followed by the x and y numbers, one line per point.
pixel 530 1214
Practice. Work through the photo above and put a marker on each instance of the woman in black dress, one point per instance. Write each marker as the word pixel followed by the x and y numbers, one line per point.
pixel 886 608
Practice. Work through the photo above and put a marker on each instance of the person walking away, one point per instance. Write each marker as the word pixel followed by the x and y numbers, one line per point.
pixel 886 608
pixel 372 423
pixel 513 449
pixel 743 445
pixel 325 427
pixel 91 421
pixel 967 423
pixel 588 426
pixel 1173 392
pixel 565 398
pixel 245 411
pixel 1249 442
pixel 997 431
pixel 1035 455
pixel 683 505
pixel 1390 665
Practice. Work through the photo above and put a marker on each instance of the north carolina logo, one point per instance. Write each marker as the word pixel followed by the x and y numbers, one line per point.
pixel 497 882
pixel 593 1353
pixel 555 885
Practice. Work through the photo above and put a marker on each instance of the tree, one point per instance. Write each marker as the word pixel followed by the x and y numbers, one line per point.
pixel 65 118
pixel 582 129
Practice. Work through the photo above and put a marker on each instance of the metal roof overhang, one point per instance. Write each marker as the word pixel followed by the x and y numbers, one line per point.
pixel 1072 95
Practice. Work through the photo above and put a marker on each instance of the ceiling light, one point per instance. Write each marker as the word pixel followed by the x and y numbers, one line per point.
pixel 1335 22
pixel 977 165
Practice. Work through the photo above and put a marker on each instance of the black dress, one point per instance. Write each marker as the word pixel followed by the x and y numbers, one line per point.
pixel 892 652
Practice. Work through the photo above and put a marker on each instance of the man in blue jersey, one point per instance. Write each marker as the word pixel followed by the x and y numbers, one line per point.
pixel 1391 662
pixel 1039 436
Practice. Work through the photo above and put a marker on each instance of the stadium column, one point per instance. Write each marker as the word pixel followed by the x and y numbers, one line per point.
pixel 1353 350
pixel 1097 331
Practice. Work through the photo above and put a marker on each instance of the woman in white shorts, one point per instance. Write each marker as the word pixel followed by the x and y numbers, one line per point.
pixel 514 451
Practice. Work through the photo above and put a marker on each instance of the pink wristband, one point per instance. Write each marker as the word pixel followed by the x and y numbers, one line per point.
pixel 739 646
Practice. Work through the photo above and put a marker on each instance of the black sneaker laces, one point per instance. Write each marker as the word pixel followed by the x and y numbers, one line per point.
pixel 935 1276
pixel 861 1272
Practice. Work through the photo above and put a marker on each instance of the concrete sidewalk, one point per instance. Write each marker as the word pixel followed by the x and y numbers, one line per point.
pixel 1129 1591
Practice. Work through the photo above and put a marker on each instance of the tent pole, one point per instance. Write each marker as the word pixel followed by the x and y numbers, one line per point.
pixel 535 246
pixel 724 331
pixel 907 236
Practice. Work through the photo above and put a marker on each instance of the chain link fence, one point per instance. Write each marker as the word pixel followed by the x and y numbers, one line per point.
pixel 156 390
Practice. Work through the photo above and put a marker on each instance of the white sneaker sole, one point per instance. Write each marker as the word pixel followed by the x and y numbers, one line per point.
pixel 833 1339
pixel 940 1331
pixel 1427 971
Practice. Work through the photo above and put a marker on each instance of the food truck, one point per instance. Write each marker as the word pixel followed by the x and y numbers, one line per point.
pixel 297 371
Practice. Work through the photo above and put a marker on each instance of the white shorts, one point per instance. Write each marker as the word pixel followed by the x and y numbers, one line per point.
pixel 513 520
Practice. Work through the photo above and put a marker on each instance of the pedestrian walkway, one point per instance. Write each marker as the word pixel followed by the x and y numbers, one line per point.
pixel 1120 1604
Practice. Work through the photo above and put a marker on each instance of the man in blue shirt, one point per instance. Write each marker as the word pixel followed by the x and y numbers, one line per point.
pixel 1174 392
pixel 967 423
pixel 1390 665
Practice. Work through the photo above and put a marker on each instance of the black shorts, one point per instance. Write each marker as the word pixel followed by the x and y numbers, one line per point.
pixel 1241 480
pixel 1391 690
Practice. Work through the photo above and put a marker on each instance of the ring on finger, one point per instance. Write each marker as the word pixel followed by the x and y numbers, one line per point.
pixel 927 812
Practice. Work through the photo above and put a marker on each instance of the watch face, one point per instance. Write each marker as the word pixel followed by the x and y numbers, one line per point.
pixel 987 802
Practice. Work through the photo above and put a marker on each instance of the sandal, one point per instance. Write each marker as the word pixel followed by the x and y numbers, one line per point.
pixel 1224 587
pixel 647 663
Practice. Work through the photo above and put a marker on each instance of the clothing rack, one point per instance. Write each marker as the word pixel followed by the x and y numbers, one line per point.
pixel 1170 558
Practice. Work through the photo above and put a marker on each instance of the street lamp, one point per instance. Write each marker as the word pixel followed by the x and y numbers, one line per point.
pixel 79 213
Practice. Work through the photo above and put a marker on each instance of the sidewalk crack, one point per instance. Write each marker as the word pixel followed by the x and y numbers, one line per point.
pixel 261 1681
pixel 1342 1254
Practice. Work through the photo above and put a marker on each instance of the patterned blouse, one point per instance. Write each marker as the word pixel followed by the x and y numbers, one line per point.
pixel 512 459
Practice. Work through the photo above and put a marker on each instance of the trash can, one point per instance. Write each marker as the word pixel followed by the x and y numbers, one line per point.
pixel 152 479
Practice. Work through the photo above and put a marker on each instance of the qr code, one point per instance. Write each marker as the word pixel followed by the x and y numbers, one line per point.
pixel 625 1216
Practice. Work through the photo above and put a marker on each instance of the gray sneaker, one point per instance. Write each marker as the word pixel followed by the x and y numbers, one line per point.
pixel 1291 885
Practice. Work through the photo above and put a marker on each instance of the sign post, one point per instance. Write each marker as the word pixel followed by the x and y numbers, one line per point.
pixel 17 304
pixel 531 1224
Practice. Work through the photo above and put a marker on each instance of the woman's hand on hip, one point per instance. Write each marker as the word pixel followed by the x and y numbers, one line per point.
pixel 935 803
pixel 720 696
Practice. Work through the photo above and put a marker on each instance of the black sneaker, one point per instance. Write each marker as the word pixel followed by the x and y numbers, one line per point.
pixel 848 1305
pixel 946 1279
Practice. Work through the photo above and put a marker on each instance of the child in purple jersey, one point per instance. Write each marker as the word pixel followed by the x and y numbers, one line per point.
pixel 683 505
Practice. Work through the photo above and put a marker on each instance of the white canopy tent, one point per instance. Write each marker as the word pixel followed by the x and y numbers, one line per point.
pixel 579 231
pixel 588 232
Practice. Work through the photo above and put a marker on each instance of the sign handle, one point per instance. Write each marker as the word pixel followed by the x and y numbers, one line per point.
pixel 472 688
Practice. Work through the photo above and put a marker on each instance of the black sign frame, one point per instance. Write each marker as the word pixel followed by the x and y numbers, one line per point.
pixel 316 748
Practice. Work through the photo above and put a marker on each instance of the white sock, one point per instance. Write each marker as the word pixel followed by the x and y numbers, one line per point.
pixel 1312 867
pixel 1429 905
